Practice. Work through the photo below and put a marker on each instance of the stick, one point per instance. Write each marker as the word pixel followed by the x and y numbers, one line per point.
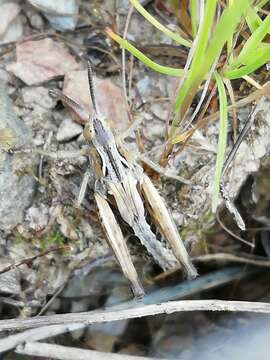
pixel 52 351
pixel 100 316
pixel 44 332
pixel 233 258
pixel 34 257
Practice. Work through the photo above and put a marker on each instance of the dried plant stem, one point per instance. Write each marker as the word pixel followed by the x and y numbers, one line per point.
pixel 60 352
pixel 99 316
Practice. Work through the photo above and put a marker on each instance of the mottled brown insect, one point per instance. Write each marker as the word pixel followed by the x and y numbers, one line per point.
pixel 119 177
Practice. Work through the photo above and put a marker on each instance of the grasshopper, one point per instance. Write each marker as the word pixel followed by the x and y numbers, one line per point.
pixel 120 182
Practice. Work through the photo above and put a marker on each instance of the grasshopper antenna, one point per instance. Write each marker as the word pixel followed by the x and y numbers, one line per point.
pixel 92 86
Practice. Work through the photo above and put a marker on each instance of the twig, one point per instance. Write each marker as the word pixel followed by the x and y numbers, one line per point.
pixel 100 316
pixel 20 303
pixel 32 258
pixel 223 191
pixel 44 332
pixel 233 258
pixel 224 227
pixel 57 293
pixel 52 351
pixel 124 85
pixel 240 103
pixel 163 171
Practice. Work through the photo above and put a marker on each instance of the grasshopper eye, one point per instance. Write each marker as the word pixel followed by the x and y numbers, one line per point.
pixel 88 133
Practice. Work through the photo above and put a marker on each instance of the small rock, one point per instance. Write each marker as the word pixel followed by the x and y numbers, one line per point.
pixel 62 14
pixel 36 21
pixel 10 24
pixel 37 95
pixel 86 229
pixel 37 217
pixel 103 336
pixel 41 60
pixel 160 111
pixel 109 98
pixel 68 130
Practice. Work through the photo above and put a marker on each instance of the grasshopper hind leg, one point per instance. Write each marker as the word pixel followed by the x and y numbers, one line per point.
pixel 167 227
pixel 118 244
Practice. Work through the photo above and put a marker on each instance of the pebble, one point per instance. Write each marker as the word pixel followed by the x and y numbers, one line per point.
pixel 36 21
pixel 68 130
pixel 37 217
pixel 62 14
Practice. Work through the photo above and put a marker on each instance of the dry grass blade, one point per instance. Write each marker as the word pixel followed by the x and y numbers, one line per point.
pixel 100 316
pixel 224 257
pixel 60 352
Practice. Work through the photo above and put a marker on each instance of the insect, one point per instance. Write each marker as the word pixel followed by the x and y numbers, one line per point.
pixel 121 183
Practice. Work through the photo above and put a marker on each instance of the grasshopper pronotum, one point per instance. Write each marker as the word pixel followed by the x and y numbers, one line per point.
pixel 121 182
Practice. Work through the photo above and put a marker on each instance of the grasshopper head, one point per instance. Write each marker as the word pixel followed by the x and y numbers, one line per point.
pixel 88 132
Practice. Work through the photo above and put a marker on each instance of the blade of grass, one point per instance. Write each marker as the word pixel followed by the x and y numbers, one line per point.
pixel 139 55
pixel 262 3
pixel 252 43
pixel 172 35
pixel 252 18
pixel 222 139
pixel 225 27
pixel 204 59
pixel 262 57
pixel 193 8
pixel 199 52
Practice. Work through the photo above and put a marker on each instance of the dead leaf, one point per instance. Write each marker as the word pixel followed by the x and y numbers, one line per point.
pixel 39 61
pixel 109 97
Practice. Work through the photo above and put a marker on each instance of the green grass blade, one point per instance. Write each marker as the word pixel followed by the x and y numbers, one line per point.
pixel 222 139
pixel 199 53
pixel 225 28
pixel 261 59
pixel 262 3
pixel 139 55
pixel 252 43
pixel 204 58
pixel 172 35
pixel 253 20
pixel 193 8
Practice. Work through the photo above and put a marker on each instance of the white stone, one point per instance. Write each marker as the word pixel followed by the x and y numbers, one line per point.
pixel 68 130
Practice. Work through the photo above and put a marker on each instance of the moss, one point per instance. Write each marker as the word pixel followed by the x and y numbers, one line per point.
pixel 19 239
pixel 54 238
